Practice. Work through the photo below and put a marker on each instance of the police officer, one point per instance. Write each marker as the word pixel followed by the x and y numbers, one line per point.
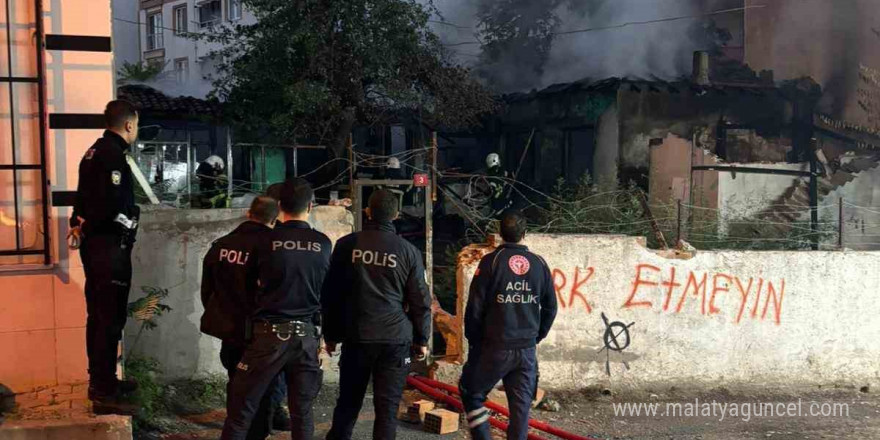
pixel 229 286
pixel 376 303
pixel 511 308
pixel 293 260
pixel 103 226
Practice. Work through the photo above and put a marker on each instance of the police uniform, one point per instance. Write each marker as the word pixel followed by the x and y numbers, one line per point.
pixel 105 201
pixel 376 302
pixel 292 262
pixel 229 286
pixel 511 308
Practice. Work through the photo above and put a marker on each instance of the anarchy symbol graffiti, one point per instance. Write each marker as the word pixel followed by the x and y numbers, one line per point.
pixel 616 338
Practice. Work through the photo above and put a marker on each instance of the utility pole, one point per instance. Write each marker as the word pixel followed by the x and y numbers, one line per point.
pixel 814 196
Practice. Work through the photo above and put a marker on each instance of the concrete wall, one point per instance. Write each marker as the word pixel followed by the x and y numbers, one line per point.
pixel 670 178
pixel 169 252
pixel 42 308
pixel 717 319
pixel 607 156
pixel 861 211
pixel 743 195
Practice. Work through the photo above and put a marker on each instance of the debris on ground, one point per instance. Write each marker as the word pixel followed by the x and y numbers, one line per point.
pixel 550 405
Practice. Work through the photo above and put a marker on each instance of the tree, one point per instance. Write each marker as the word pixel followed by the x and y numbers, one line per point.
pixel 517 37
pixel 139 71
pixel 315 68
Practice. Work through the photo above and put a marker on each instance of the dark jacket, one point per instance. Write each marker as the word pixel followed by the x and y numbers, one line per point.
pixel 293 263
pixel 512 302
pixel 376 291
pixel 106 186
pixel 229 281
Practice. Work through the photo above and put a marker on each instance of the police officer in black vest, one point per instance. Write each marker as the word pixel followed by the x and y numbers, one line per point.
pixel 511 308
pixel 376 302
pixel 103 227
pixel 229 288
pixel 293 261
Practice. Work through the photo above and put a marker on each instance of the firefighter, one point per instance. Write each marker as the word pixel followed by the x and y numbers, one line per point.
pixel 511 308
pixel 229 285
pixel 376 303
pixel 210 176
pixel 103 227
pixel 496 177
pixel 292 261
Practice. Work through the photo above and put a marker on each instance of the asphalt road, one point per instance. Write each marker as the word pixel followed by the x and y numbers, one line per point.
pixel 589 412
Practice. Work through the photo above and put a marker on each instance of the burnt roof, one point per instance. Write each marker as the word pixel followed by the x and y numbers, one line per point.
pixel 656 85
pixel 155 103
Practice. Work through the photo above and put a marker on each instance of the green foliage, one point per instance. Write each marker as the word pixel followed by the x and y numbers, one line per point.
pixel 158 401
pixel 139 71
pixel 196 395
pixel 145 310
pixel 149 397
pixel 314 68
pixel 587 208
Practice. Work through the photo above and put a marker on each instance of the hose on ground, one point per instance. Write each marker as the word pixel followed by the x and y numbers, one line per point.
pixel 455 403
pixel 537 424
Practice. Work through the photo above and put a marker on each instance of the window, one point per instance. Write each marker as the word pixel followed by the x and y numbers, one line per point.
pixel 24 238
pixel 209 14
pixel 154 31
pixel 180 23
pixel 233 10
pixel 181 70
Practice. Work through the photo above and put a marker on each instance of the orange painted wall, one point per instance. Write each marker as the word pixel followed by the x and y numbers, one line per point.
pixel 42 310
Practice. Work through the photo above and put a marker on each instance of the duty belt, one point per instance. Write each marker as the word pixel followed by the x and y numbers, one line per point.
pixel 288 329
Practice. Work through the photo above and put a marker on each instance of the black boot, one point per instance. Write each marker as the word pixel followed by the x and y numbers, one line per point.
pixel 106 401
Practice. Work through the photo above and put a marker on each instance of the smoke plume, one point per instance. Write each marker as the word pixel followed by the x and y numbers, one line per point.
pixel 645 50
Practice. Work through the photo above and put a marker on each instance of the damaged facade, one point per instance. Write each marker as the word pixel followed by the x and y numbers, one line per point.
pixel 731 143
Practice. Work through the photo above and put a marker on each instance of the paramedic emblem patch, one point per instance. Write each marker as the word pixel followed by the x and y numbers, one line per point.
pixel 116 178
pixel 519 264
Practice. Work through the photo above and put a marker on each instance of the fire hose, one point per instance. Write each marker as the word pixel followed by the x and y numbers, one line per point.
pixel 504 411
pixel 449 400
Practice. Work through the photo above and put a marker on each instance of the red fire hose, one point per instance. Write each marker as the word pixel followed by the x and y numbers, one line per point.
pixel 425 388
pixel 537 424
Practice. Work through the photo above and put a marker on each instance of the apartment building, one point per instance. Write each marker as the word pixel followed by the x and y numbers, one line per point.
pixel 165 39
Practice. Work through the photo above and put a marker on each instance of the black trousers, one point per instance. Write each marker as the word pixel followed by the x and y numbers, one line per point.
pixel 261 426
pixel 265 357
pixel 518 368
pixel 107 268
pixel 387 365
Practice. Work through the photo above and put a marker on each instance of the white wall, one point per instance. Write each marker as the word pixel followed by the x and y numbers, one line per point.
pixel 861 210
pixel 744 195
pixel 806 317
pixel 126 35
pixel 177 47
